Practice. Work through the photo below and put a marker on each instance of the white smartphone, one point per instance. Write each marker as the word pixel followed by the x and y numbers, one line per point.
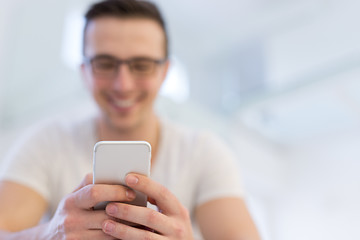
pixel 113 160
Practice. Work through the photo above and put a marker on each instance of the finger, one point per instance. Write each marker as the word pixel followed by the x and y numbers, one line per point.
pixel 124 232
pixel 90 195
pixel 94 234
pixel 93 219
pixel 89 220
pixel 140 215
pixel 164 199
pixel 86 181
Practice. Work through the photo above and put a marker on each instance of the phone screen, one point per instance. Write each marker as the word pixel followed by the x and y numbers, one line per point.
pixel 113 160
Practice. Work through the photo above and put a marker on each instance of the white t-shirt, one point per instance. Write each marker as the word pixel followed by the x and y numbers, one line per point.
pixel 53 159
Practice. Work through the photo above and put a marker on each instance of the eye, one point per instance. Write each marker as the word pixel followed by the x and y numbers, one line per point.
pixel 142 66
pixel 105 64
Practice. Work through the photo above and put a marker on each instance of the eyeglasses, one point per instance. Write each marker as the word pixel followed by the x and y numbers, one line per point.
pixel 108 66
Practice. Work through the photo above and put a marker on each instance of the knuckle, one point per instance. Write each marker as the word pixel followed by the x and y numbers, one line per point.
pixel 68 224
pixel 122 232
pixel 152 218
pixel 164 193
pixel 184 212
pixel 94 192
pixel 125 211
pixel 88 178
pixel 72 237
pixel 68 203
pixel 148 235
pixel 179 230
pixel 120 193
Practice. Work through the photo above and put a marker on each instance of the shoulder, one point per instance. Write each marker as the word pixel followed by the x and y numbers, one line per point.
pixel 53 133
pixel 198 142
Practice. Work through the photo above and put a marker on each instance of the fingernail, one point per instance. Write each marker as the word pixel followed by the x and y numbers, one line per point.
pixel 109 227
pixel 111 209
pixel 131 180
pixel 130 194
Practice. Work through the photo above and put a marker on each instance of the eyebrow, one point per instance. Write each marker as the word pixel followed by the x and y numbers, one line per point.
pixel 133 58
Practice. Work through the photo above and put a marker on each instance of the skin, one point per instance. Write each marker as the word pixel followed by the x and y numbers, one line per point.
pixel 125 39
pixel 224 218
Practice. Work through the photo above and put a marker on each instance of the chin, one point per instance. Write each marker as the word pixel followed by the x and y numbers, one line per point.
pixel 123 125
pixel 124 122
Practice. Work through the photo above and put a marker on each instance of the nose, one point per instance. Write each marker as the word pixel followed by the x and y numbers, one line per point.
pixel 123 81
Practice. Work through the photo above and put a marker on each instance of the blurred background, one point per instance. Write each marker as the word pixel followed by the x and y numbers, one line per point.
pixel 279 80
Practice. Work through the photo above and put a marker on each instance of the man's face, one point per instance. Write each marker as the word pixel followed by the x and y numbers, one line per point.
pixel 125 97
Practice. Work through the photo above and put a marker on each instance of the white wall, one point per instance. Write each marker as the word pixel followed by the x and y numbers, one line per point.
pixel 323 200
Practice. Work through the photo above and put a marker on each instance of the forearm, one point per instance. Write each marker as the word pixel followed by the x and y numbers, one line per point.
pixel 35 233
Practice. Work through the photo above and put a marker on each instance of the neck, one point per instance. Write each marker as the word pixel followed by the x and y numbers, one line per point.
pixel 150 132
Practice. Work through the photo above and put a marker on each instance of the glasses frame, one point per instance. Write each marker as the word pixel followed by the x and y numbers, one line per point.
pixel 90 62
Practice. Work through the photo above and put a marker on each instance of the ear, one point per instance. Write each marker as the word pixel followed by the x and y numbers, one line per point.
pixel 165 69
pixel 85 75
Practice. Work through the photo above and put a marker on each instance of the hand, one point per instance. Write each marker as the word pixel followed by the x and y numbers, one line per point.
pixel 74 217
pixel 171 222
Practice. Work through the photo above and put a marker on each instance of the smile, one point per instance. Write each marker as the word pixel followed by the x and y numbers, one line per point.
pixel 124 103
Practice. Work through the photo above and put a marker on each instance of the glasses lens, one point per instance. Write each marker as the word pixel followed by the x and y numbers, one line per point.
pixel 142 66
pixel 104 66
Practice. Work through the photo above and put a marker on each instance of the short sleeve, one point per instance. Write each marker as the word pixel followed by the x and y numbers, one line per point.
pixel 219 174
pixel 27 164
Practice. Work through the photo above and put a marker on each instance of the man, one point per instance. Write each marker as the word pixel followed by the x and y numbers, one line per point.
pixel 193 183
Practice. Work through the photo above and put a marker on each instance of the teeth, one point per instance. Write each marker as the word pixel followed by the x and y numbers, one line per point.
pixel 124 103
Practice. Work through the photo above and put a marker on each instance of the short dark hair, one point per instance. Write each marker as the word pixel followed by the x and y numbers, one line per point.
pixel 126 9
